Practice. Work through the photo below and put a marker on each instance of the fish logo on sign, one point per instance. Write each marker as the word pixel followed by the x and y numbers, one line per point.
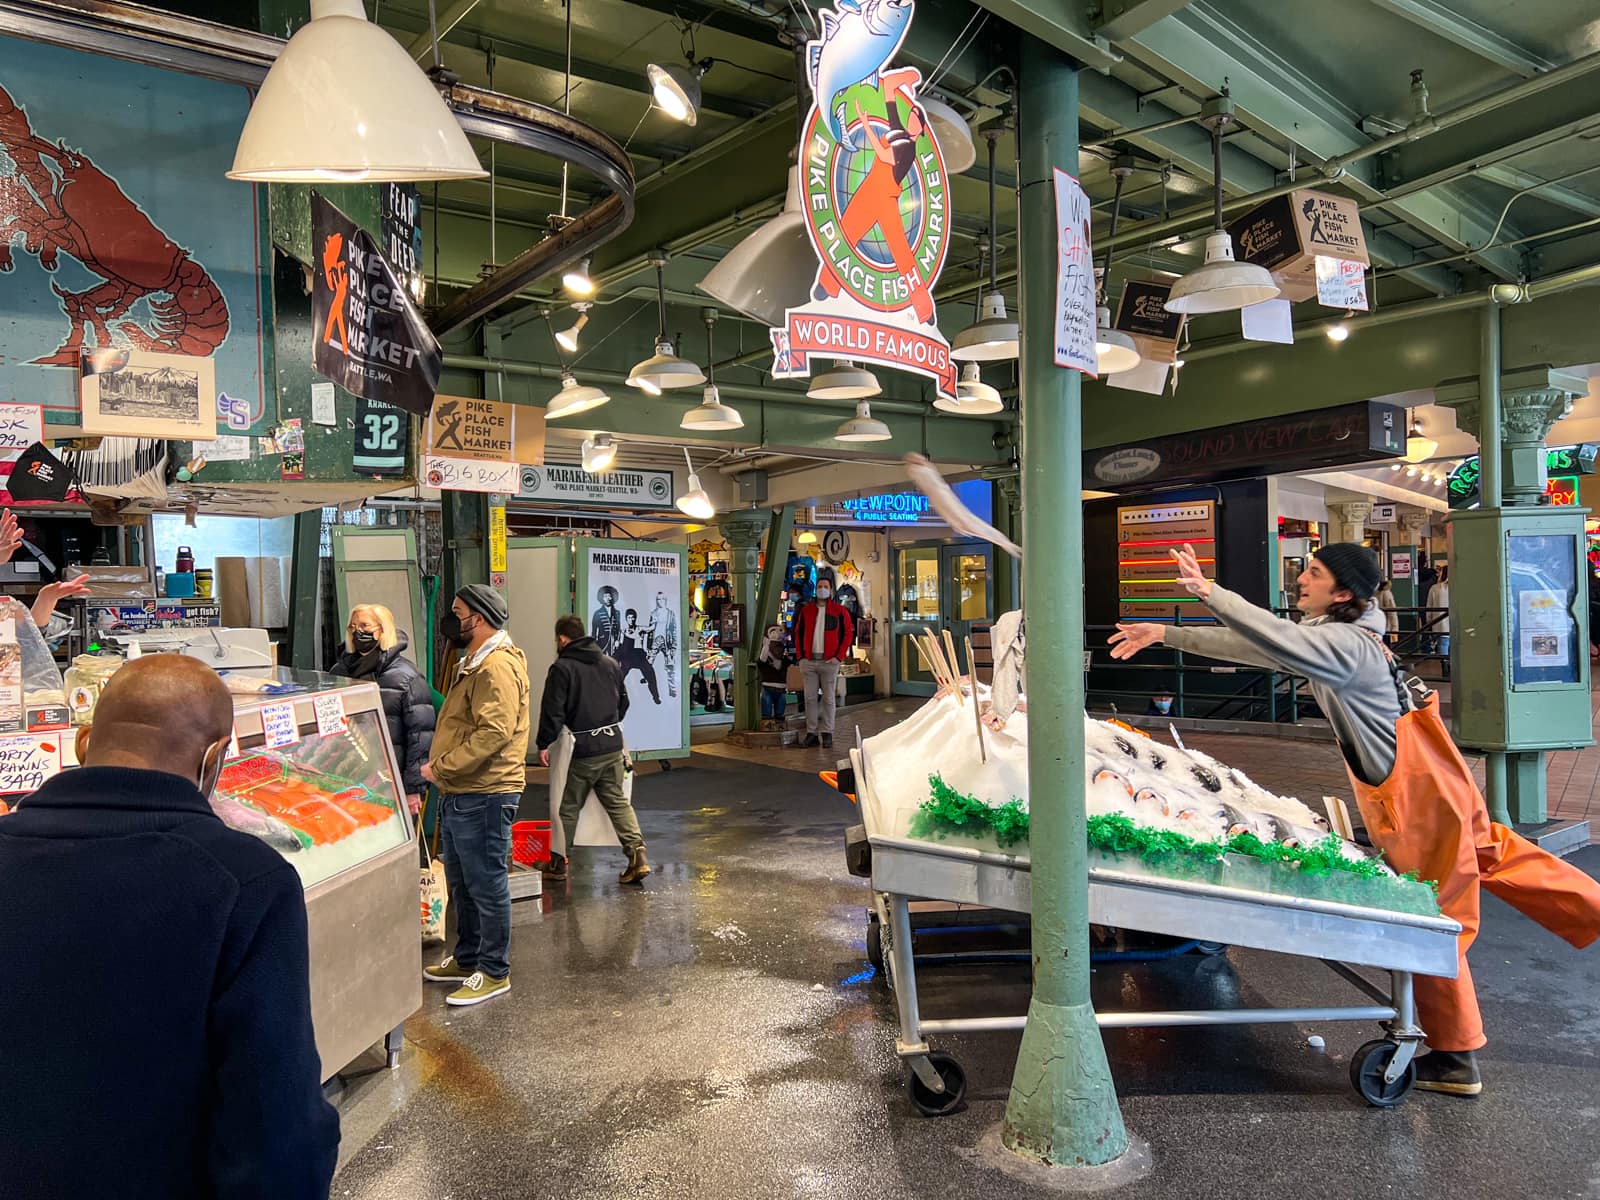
pixel 875 204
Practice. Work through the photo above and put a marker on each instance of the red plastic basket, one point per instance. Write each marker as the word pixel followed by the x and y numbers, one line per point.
pixel 530 842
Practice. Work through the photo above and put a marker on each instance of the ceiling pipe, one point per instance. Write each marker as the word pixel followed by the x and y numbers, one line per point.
pixel 1333 169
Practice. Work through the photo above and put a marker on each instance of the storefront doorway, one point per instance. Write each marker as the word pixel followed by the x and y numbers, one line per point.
pixel 938 586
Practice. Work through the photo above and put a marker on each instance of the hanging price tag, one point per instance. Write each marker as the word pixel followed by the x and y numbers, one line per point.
pixel 331 718
pixel 279 725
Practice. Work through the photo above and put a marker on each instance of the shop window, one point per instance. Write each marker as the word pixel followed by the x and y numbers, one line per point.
pixel 221 537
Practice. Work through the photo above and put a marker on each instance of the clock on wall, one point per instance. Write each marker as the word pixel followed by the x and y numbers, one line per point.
pixel 836 546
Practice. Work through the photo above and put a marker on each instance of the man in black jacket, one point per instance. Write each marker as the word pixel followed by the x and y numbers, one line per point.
pixel 585 692
pixel 156 1042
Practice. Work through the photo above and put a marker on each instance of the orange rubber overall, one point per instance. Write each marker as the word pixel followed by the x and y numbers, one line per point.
pixel 1429 817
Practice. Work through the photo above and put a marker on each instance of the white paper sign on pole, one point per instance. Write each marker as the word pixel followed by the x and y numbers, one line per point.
pixel 469 475
pixel 1341 284
pixel 1075 322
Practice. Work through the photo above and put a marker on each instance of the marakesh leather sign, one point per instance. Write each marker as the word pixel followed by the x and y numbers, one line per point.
pixel 1366 431
pixel 370 338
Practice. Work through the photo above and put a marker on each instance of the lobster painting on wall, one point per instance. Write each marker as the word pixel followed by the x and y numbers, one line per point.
pixel 117 225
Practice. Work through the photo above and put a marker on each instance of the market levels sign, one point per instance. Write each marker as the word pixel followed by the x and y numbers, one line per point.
pixel 876 204
pixel 1562 464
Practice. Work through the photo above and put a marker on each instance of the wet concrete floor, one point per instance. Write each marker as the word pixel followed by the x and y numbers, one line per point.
pixel 718 1033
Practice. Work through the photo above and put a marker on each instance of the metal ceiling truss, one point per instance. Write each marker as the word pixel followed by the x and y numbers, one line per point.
pixel 1469 35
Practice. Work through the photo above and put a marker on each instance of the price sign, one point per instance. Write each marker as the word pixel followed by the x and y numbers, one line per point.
pixel 21 425
pixel 331 716
pixel 278 724
pixel 27 761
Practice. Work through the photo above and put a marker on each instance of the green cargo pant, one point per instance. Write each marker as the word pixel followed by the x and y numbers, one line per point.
pixel 603 775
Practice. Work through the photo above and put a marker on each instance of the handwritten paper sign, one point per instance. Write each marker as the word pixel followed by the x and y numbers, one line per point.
pixel 1075 289
pixel 464 475
pixel 331 718
pixel 26 761
pixel 323 411
pixel 21 425
pixel 1341 284
pixel 227 448
pixel 279 725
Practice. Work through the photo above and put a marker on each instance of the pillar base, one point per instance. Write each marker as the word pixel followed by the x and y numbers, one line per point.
pixel 1525 787
pixel 1063 1108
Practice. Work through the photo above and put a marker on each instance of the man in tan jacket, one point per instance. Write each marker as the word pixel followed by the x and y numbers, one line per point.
pixel 479 751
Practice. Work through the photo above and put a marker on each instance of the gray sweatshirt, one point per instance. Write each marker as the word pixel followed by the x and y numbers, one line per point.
pixel 1350 677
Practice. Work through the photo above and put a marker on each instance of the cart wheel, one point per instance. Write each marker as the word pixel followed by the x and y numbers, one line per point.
pixel 955 1087
pixel 1367 1066
pixel 875 943
pixel 1210 949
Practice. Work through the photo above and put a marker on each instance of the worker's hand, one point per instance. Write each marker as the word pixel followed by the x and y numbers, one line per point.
pixel 414 803
pixel 10 536
pixel 65 589
pixel 427 773
pixel 1130 638
pixel 544 758
pixel 1190 575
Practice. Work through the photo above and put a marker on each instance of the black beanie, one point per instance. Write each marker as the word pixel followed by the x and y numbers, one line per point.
pixel 1354 566
pixel 487 603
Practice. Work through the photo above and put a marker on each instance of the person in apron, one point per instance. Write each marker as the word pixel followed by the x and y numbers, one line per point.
pixel 1416 794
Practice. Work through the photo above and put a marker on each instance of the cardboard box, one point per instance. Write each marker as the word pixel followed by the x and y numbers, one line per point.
pixel 1288 233
pixel 1142 313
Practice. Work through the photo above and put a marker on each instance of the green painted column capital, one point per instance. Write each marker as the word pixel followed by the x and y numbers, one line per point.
pixel 1532 400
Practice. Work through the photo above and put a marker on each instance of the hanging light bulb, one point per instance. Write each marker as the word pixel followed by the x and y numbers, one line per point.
pixel 599 453
pixel 578 281
pixel 845 381
pixel 567 338
pixel 664 370
pixel 974 397
pixel 694 502
pixel 1221 285
pixel 711 413
pixel 863 427
pixel 573 398
pixel 344 103
pixel 676 89
pixel 1338 332
pixel 994 336
pixel 1419 446
pixel 807 538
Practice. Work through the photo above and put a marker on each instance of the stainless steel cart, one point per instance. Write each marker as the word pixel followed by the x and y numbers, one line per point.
pixel 1344 936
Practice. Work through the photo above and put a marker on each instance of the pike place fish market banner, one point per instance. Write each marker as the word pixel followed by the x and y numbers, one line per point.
pixel 1366 431
pixel 370 338
pixel 875 205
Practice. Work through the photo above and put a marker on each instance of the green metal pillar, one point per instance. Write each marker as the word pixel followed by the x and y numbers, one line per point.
pixel 465 526
pixel 1063 1106
pixel 305 581
pixel 1489 496
pixel 743 531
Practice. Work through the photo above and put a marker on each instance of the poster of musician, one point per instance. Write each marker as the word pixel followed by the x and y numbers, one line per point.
pixel 635 598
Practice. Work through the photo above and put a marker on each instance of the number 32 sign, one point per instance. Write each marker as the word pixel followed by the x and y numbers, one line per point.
pixel 382 438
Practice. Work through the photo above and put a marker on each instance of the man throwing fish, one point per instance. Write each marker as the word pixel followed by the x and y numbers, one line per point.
pixel 1417 796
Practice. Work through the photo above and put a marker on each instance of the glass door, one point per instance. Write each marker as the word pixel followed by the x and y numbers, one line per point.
pixel 916 610
pixel 969 591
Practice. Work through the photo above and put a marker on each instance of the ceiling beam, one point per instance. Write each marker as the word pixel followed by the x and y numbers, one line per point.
pixel 1125 18
pixel 446 23
pixel 1511 178
pixel 1063 24
pixel 1469 35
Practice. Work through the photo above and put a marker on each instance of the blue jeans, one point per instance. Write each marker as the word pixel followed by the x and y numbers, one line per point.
pixel 476 843
pixel 773 703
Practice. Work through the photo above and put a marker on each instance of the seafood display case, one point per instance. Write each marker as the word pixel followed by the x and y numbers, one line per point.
pixel 316 778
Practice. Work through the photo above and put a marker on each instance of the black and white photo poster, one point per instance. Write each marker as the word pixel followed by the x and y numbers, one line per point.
pixel 634 597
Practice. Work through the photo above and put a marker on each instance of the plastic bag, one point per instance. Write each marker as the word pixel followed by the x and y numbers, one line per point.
pixel 29 677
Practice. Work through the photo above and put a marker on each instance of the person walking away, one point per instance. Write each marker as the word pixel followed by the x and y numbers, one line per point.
pixel 374 652
pixel 772 668
pixel 1439 597
pixel 822 640
pixel 130 906
pixel 584 692
pixel 632 656
pixel 664 641
pixel 1391 614
pixel 1416 794
pixel 478 764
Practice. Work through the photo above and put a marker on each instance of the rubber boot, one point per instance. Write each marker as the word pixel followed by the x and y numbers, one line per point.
pixel 638 868
pixel 556 869
pixel 1454 1072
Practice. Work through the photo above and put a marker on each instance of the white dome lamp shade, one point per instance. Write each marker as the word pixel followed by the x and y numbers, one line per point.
pixel 599 453
pixel 844 381
pixel 711 414
pixel 664 371
pixel 344 103
pixel 994 337
pixel 1221 285
pixel 772 270
pixel 952 133
pixel 863 427
pixel 573 398
pixel 974 397
pixel 1419 446
pixel 567 338
pixel 677 89
pixel 694 502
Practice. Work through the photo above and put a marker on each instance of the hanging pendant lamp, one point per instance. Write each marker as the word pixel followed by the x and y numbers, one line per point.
pixel 695 502
pixel 344 103
pixel 599 453
pixel 1114 350
pixel 974 397
pixel 994 337
pixel 574 398
pixel 711 413
pixel 664 370
pixel 844 381
pixel 1221 285
pixel 1419 446
pixel 863 427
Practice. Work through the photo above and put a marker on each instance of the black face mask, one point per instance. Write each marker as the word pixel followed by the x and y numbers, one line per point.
pixel 363 643
pixel 450 629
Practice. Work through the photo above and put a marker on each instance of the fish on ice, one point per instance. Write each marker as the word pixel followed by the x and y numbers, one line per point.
pixel 859 37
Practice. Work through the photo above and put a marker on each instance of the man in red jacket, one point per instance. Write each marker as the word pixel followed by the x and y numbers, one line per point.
pixel 823 634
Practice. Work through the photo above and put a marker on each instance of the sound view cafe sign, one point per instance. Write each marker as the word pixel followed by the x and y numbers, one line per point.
pixel 631 489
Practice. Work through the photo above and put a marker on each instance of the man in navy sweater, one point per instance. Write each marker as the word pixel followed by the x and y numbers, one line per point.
pixel 155 1014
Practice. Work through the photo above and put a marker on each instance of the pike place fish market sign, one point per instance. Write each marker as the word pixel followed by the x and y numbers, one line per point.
pixel 1331 437
pixel 556 484
pixel 876 205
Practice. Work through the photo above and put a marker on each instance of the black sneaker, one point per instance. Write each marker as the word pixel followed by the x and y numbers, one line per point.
pixel 827 741
pixel 1454 1072
pixel 809 741
pixel 555 870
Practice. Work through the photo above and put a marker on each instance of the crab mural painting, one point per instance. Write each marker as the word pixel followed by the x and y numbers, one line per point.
pixel 117 226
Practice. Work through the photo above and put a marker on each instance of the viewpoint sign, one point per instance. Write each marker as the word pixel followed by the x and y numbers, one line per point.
pixel 876 205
